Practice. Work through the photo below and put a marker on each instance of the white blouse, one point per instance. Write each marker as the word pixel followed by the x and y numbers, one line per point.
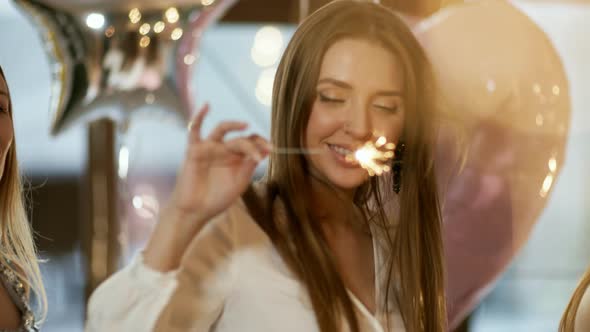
pixel 231 278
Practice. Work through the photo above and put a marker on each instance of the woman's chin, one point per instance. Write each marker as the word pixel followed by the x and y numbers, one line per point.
pixel 348 179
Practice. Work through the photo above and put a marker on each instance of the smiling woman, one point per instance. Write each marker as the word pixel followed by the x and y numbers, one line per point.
pixel 355 75
pixel 318 244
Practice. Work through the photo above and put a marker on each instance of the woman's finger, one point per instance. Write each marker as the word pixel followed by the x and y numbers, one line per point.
pixel 195 125
pixel 225 127
pixel 262 143
pixel 246 147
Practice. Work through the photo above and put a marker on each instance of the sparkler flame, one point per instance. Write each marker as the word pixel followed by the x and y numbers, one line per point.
pixel 372 156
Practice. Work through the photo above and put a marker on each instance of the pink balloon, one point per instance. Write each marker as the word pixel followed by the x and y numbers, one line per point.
pixel 190 44
pixel 507 97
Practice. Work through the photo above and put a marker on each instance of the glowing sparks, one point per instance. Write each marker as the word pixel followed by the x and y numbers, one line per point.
pixel 372 158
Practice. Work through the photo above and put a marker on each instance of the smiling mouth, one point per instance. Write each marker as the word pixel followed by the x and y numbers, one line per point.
pixel 340 150
pixel 344 155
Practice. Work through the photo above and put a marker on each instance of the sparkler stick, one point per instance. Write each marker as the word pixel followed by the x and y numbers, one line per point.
pixel 372 156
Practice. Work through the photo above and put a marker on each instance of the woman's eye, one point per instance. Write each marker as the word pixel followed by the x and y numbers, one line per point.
pixel 389 109
pixel 326 99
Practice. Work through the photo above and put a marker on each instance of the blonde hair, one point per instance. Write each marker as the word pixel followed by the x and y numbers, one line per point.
pixel 415 260
pixel 16 240
pixel 568 320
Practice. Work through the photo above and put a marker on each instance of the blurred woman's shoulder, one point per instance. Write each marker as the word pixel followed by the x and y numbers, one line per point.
pixel 16 313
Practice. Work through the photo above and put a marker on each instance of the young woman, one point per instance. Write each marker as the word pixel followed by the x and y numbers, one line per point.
pixel 577 314
pixel 318 245
pixel 19 269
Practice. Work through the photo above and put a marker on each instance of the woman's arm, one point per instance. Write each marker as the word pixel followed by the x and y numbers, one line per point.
pixel 187 255
pixel 190 298
pixel 213 176
pixel 10 317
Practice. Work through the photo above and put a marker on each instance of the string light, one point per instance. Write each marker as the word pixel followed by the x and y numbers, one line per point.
pixel 110 31
pixel 172 15
pixel 264 86
pixel 95 21
pixel 176 34
pixel 123 162
pixel 159 27
pixel 267 46
pixel 144 41
pixel 546 185
pixel 189 59
pixel 134 15
pixel 552 165
pixel 145 28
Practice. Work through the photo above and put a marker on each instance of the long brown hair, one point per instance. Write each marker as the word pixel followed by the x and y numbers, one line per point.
pixel 568 320
pixel 413 237
pixel 16 240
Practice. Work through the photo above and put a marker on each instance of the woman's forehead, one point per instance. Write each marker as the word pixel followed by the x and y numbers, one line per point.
pixel 354 60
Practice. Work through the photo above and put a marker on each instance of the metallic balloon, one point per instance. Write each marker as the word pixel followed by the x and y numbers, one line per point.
pixel 109 60
pixel 506 91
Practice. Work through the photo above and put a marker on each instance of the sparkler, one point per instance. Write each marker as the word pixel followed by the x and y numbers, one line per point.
pixel 371 156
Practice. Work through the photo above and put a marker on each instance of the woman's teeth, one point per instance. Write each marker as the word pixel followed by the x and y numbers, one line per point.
pixel 340 150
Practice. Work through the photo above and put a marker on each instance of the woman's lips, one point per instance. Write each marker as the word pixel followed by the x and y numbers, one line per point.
pixel 340 153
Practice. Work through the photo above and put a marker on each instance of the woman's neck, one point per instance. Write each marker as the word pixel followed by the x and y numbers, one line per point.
pixel 333 207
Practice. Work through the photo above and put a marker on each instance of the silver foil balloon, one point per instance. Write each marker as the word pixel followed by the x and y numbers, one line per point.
pixel 109 59
pixel 508 96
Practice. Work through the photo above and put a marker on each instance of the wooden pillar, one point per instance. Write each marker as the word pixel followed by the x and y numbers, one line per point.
pixel 101 244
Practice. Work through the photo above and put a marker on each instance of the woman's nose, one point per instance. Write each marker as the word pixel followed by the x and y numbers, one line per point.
pixel 358 123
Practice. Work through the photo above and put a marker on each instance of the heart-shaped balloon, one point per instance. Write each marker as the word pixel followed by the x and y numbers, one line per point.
pixel 109 59
pixel 506 96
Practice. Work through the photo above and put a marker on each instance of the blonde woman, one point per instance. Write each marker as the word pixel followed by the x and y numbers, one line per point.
pixel 19 270
pixel 318 245
pixel 577 314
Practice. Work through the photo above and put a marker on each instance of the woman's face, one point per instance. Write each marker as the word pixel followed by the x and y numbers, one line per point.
pixel 359 96
pixel 6 130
